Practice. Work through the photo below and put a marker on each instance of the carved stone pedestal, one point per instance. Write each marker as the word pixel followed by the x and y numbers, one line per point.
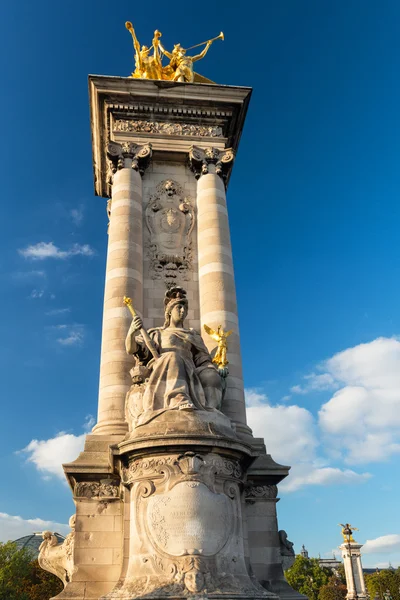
pixel 186 522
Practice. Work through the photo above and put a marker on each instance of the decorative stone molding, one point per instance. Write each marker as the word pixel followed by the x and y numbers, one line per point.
pixel 105 488
pixel 170 219
pixel 218 466
pixel 156 127
pixel 200 160
pixel 140 156
pixel 261 492
pixel 58 558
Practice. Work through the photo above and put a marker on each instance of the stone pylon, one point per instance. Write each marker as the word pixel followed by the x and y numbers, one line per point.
pixel 171 503
pixel 355 582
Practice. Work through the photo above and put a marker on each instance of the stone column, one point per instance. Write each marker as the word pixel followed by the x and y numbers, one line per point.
pixel 353 570
pixel 216 278
pixel 124 277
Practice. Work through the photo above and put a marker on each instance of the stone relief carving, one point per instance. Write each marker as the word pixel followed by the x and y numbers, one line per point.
pixel 262 492
pixel 200 160
pixel 125 125
pixel 58 558
pixel 185 515
pixel 170 219
pixel 105 488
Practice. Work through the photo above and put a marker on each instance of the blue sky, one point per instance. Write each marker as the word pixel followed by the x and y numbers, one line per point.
pixel 315 214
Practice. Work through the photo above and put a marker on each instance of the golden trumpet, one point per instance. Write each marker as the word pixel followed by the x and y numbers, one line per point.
pixel 219 37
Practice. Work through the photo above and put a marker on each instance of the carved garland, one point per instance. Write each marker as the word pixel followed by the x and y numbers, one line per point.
pixel 261 492
pixel 107 488
pixel 155 127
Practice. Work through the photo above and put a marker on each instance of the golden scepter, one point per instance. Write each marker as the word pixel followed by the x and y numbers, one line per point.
pixel 146 338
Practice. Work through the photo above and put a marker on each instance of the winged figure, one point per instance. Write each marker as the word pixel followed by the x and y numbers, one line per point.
pixel 347 531
pixel 220 337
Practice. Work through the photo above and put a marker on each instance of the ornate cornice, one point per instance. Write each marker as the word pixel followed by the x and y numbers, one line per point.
pixel 140 155
pixel 200 160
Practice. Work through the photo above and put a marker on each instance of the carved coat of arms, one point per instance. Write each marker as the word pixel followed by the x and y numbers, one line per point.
pixel 170 219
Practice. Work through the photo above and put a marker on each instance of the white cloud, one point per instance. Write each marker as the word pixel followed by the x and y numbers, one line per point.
pixel 362 419
pixel 43 250
pixel 315 383
pixel 382 544
pixel 48 456
pixel 36 294
pixel 71 335
pixel 291 437
pixel 24 277
pixel 76 215
pixel 57 311
pixel 13 527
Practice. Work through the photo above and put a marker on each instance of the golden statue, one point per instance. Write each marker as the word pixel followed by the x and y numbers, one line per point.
pixel 180 67
pixel 347 532
pixel 146 66
pixel 219 336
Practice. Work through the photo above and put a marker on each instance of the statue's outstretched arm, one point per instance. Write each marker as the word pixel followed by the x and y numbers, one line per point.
pixel 164 51
pixel 202 54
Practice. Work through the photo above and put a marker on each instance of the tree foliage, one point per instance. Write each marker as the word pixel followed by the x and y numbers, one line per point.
pixel 333 590
pixel 383 584
pixel 21 578
pixel 307 577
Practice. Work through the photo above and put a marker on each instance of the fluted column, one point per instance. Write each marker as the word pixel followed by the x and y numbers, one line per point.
pixel 124 277
pixel 216 277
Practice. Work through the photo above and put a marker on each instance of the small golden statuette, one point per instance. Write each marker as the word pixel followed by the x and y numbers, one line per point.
pixel 219 336
pixel 347 532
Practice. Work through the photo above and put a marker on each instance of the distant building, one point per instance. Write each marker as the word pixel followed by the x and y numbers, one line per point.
pixel 329 563
pixel 33 541
pixel 304 552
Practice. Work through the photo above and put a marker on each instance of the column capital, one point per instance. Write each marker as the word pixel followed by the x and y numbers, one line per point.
pixel 200 160
pixel 140 155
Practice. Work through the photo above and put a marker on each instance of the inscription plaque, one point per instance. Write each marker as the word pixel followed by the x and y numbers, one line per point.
pixel 190 519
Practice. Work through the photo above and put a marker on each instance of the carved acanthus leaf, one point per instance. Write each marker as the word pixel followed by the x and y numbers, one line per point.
pixel 201 158
pixel 139 154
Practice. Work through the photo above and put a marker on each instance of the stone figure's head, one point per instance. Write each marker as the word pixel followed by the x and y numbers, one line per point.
pixel 144 50
pixel 175 306
pixel 194 581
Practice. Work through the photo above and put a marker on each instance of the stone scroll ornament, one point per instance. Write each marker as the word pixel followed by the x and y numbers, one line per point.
pixel 138 155
pixel 200 160
pixel 170 219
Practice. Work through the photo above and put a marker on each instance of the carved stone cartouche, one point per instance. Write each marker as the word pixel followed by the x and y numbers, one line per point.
pixel 170 219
